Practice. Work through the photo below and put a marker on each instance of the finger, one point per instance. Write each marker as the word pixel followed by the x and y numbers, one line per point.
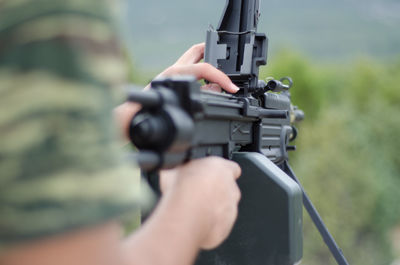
pixel 213 75
pixel 235 192
pixel 238 194
pixel 233 167
pixel 203 71
pixel 194 55
pixel 236 170
pixel 212 87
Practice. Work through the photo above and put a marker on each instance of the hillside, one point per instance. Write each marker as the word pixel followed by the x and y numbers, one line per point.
pixel 158 31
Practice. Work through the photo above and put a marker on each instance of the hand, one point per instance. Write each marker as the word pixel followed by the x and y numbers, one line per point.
pixel 209 185
pixel 189 64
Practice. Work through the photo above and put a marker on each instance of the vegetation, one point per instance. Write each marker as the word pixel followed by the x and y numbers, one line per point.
pixel 348 153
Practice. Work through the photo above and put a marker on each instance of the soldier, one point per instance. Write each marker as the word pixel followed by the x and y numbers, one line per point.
pixel 63 185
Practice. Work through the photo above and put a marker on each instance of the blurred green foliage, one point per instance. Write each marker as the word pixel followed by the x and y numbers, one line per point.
pixel 348 154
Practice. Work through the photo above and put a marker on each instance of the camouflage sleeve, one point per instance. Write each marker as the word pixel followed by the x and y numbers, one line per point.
pixel 59 163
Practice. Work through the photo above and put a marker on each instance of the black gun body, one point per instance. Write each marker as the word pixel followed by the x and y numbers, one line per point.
pixel 232 130
pixel 235 47
pixel 204 123
pixel 244 124
pixel 201 123
pixel 178 123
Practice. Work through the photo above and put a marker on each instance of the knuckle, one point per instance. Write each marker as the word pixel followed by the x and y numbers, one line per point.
pixel 205 66
pixel 198 46
pixel 238 195
pixel 209 66
pixel 169 70
pixel 214 160
pixel 238 169
pixel 235 168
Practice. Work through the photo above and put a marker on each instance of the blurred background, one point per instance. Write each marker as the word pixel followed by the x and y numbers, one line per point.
pixel 344 58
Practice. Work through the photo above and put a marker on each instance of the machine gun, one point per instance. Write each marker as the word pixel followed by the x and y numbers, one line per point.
pixel 179 122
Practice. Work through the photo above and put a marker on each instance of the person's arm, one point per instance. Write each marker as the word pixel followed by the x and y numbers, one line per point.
pixel 197 211
pixel 95 245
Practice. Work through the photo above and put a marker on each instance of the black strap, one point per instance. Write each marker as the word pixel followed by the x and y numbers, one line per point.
pixel 153 178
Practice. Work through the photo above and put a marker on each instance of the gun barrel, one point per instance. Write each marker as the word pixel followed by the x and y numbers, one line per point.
pixel 274 114
pixel 299 115
pixel 148 98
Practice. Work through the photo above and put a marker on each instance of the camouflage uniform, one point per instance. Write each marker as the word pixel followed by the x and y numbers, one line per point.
pixel 59 164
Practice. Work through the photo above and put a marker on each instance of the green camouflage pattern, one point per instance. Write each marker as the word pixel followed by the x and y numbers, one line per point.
pixel 60 163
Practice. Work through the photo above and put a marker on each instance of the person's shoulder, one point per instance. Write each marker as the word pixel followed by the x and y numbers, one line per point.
pixel 59 166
